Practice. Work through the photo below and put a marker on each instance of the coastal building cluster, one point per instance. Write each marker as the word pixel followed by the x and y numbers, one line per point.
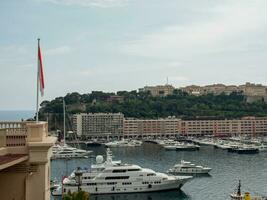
pixel 89 125
pixel 252 92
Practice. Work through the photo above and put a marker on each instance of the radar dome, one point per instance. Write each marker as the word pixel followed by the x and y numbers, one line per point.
pixel 99 159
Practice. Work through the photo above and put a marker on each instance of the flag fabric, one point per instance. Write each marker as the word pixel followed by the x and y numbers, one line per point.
pixel 40 71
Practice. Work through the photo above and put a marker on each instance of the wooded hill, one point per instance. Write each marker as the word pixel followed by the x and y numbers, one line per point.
pixel 143 105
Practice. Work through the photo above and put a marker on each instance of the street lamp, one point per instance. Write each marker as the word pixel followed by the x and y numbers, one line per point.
pixel 78 176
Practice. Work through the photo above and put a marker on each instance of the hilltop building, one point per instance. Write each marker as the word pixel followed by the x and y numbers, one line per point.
pixel 115 98
pixel 252 92
pixel 159 90
pixel 97 125
pixel 25 151
pixel 215 89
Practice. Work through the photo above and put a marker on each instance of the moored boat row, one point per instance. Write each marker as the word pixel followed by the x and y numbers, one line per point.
pixel 236 146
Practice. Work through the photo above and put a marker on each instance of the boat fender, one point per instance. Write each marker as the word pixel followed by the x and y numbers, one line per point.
pixel 96 189
pixel 149 186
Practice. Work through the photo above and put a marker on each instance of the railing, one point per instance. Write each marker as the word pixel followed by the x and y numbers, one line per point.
pixel 16 137
pixel 13 134
pixel 9 125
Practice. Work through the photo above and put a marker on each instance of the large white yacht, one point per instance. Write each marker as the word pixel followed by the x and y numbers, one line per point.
pixel 188 168
pixel 115 177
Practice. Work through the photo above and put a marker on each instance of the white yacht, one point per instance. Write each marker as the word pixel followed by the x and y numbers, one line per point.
pixel 188 168
pixel 187 147
pixel 64 151
pixel 110 176
pixel 262 147
pixel 170 144
pixel 182 147
pixel 124 143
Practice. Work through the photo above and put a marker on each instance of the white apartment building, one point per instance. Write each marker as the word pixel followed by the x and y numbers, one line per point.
pixel 97 125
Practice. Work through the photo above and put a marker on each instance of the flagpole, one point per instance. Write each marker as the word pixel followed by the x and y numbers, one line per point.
pixel 37 91
pixel 64 122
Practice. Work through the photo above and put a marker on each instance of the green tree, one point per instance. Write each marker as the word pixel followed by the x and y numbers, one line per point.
pixel 81 195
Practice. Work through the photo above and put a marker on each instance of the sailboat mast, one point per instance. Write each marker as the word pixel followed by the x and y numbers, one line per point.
pixel 64 123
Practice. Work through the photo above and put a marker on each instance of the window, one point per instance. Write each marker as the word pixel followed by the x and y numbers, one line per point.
pixel 126 183
pixel 150 174
pixel 145 182
pixel 133 170
pixel 111 183
pixel 91 183
pixel 119 171
pixel 116 177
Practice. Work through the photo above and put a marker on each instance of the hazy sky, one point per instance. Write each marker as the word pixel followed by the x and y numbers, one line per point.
pixel 115 45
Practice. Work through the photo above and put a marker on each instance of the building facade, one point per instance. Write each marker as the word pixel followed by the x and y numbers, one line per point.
pixel 137 128
pixel 25 151
pixel 224 128
pixel 97 125
pixel 168 127
pixel 215 89
pixel 255 92
pixel 159 90
pixel 252 92
pixel 103 125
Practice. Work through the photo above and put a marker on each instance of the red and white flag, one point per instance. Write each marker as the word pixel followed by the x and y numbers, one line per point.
pixel 40 71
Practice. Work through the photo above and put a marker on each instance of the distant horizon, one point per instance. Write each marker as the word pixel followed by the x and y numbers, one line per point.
pixel 16 115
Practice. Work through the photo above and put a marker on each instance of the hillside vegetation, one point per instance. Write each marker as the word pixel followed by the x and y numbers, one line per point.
pixel 143 105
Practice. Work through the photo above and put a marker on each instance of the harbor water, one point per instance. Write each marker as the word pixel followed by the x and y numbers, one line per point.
pixel 227 169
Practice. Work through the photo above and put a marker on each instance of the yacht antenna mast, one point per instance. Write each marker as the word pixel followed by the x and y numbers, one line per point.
pixel 239 188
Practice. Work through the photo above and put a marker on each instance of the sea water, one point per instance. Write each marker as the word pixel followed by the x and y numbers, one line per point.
pixel 227 169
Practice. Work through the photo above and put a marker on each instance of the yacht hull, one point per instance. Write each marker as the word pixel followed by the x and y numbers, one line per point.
pixel 249 151
pixel 187 149
pixel 206 171
pixel 119 189
pixel 69 156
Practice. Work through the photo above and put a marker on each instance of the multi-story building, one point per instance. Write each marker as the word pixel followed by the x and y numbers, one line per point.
pixel 159 90
pixel 224 128
pixel 150 127
pixel 97 125
pixel 25 150
pixel 173 126
pixel 103 125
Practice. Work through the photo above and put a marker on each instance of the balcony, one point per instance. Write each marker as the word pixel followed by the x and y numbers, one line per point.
pixel 21 138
